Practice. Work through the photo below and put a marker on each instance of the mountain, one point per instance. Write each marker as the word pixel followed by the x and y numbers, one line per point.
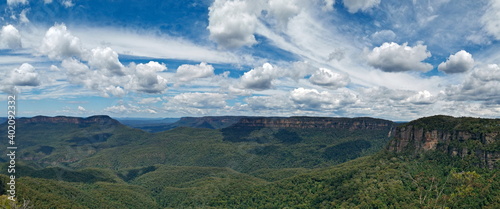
pixel 474 138
pixel 148 124
pixel 211 122
pixel 259 162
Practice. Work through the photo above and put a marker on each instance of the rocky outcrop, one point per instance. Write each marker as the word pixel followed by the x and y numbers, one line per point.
pixel 98 119
pixel 316 122
pixel 460 137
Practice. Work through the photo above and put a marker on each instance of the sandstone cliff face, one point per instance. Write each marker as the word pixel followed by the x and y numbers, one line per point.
pixel 99 119
pixel 455 142
pixel 316 122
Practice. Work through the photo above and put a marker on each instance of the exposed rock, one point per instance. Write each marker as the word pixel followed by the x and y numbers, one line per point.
pixel 468 136
pixel 316 122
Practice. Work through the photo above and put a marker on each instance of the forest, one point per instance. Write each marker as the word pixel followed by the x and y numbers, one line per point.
pixel 104 164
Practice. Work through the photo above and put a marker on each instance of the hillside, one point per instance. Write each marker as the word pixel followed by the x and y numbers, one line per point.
pixel 474 139
pixel 297 162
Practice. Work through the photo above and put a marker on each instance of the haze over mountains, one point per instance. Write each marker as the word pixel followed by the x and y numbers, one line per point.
pixel 258 162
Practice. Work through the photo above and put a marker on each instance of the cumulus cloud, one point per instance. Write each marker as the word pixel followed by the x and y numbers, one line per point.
pixel 491 19
pixel 80 74
pixel 313 99
pixel 10 37
pixel 283 10
pixel 264 103
pixel 422 98
pixel 354 5
pixel 140 78
pixel 482 84
pixel 58 43
pixel 232 24
pixel 187 73
pixel 25 75
pixel 106 59
pixel 198 100
pixel 329 79
pixel 16 2
pixel 458 63
pixel 392 57
pixel 260 77
pixel 81 109
pixel 146 79
pixel 47 1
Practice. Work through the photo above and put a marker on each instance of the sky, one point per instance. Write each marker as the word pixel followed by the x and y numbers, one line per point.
pixel 393 59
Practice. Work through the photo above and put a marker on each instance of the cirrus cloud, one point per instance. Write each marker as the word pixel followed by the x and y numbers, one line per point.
pixel 355 5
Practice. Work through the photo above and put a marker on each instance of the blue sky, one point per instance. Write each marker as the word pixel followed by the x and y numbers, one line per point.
pixel 391 59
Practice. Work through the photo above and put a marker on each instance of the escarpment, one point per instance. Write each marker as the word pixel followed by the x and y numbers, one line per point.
pixel 315 122
pixel 461 137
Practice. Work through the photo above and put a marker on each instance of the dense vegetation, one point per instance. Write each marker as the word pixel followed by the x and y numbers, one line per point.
pixel 113 166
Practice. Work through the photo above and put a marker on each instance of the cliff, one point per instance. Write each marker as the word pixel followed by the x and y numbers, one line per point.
pixel 315 122
pixel 462 137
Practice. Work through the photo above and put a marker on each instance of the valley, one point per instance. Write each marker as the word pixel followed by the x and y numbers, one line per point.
pixel 258 162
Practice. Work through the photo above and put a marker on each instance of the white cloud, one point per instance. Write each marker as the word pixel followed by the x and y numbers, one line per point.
pixel 151 100
pixel 491 19
pixel 81 109
pixel 98 80
pixel 354 5
pixel 25 75
pixel 145 78
pixel 392 57
pixel 422 98
pixel 198 100
pixel 106 59
pixel 328 5
pixel 232 24
pixel 383 36
pixel 16 2
pixel 22 16
pixel 266 103
pixel 187 73
pixel 47 1
pixel 67 3
pixel 10 37
pixel 458 63
pixel 140 78
pixel 260 78
pixel 337 54
pixel 482 84
pixel 58 43
pixel 127 109
pixel 313 99
pixel 283 10
pixel 329 79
